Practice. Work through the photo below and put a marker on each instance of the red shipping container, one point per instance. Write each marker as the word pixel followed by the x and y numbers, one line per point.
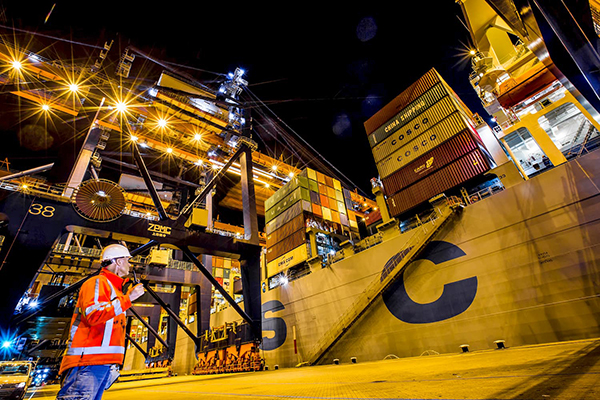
pixel 450 176
pixel 373 217
pixel 431 161
pixel 286 230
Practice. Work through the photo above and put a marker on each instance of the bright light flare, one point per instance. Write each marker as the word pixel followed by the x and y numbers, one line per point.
pixel 134 138
pixel 291 174
pixel 162 122
pixel 121 107
pixel 197 136
pixel 16 64
pixel 45 107
pixel 169 150
pixel 73 87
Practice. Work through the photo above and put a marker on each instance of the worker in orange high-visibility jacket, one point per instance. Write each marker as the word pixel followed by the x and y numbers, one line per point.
pixel 97 338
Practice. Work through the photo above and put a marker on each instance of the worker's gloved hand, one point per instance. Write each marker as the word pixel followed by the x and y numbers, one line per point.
pixel 136 292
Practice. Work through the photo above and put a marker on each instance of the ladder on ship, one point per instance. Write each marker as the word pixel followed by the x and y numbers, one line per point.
pixel 418 240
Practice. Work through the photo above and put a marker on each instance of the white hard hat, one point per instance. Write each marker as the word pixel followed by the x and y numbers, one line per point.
pixel 113 251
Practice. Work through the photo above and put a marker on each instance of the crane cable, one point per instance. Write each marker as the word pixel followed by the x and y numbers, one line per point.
pixel 306 144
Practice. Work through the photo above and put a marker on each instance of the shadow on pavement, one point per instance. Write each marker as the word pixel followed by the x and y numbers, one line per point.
pixel 560 381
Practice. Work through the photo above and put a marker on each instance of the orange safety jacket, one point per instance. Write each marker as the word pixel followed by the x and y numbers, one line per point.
pixel 98 323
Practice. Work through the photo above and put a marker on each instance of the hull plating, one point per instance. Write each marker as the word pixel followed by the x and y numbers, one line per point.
pixel 522 266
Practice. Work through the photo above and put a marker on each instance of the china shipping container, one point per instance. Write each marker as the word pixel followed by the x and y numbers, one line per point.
pixel 434 136
pixel 286 190
pixel 429 118
pixel 288 243
pixel 427 81
pixel 467 167
pixel 284 217
pixel 296 224
pixel 415 90
pixel 431 161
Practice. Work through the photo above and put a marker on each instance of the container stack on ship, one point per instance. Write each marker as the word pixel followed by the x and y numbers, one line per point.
pixel 308 217
pixel 424 142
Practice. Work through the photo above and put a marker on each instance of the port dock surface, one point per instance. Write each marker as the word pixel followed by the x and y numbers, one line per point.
pixel 566 370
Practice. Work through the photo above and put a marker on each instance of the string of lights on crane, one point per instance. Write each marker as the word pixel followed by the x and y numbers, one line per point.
pixel 123 107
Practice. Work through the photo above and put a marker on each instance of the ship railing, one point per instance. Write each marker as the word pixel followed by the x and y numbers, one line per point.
pixel 393 268
pixel 75 250
pixel 138 214
pixel 485 193
pixel 368 242
pixel 182 265
pixel 35 187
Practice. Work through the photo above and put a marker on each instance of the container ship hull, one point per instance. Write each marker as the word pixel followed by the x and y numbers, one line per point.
pixel 522 266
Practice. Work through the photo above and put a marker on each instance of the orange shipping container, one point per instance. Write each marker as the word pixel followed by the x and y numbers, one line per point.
pixel 316 209
pixel 320 178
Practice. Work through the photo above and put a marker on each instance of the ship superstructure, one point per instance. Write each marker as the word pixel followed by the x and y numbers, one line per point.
pixel 540 122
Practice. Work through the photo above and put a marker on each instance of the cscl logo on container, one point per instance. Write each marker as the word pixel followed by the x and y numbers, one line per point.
pixel 424 167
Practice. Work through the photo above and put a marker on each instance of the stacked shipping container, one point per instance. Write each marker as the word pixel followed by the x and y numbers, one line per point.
pixel 424 142
pixel 311 198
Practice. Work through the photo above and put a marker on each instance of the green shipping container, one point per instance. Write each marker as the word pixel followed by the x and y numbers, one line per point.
pixel 301 193
pixel 293 184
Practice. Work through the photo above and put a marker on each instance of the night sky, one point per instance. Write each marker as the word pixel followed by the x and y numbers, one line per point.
pixel 322 70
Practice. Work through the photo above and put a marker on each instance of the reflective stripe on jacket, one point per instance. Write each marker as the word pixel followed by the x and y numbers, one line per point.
pixel 98 323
